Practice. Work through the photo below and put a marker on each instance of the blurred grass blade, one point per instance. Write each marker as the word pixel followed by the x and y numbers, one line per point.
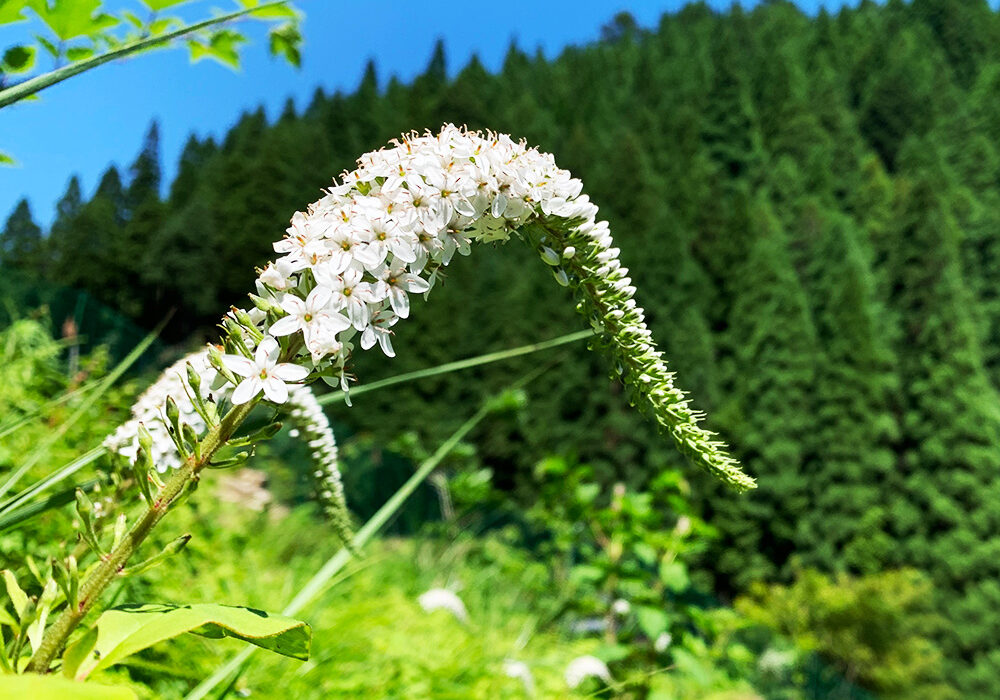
pixel 28 511
pixel 34 85
pixel 336 396
pixel 40 452
pixel 52 479
pixel 321 579
pixel 45 408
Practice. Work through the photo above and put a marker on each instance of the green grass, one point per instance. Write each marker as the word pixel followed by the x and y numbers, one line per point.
pixel 371 637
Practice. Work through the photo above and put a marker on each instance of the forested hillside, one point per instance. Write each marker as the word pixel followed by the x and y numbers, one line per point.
pixel 811 210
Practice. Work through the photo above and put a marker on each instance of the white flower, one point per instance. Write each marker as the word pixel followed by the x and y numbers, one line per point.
pixel 583 667
pixel 263 373
pixel 443 599
pixel 307 315
pixel 378 332
pixel 621 607
pixel 348 293
pixel 662 642
pixel 399 282
pixel 520 671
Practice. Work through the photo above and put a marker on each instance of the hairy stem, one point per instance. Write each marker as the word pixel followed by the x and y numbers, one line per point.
pixel 112 565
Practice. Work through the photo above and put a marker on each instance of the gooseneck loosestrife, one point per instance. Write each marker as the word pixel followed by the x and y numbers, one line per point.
pixel 346 273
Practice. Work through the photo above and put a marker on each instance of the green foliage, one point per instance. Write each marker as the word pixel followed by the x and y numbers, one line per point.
pixel 877 630
pixel 124 631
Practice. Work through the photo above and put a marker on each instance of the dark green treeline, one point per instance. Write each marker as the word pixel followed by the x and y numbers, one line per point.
pixel 810 206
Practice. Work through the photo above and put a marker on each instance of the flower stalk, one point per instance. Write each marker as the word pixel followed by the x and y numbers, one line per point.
pixel 111 566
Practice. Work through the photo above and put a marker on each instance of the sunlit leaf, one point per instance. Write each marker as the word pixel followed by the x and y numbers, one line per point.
pixel 19 59
pixel 285 42
pixel 272 12
pixel 157 5
pixel 222 46
pixel 12 11
pixel 124 631
pixel 78 53
pixel 17 596
pixel 652 621
pixel 69 19
pixel 165 24
pixel 674 575
pixel 48 46
pixel 39 687
pixel 7 160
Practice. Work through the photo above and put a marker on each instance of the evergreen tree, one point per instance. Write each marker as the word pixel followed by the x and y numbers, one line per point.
pixel 21 245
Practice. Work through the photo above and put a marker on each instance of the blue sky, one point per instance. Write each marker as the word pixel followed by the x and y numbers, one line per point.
pixel 90 121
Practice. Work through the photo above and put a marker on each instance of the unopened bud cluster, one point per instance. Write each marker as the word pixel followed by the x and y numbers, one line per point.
pixel 314 427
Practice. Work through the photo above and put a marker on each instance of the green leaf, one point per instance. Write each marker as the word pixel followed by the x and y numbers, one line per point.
pixel 69 19
pixel 157 5
pixel 164 24
pixel 12 11
pixel 38 687
pixel 17 596
pixel 19 59
pixel 6 159
pixel 674 575
pixel 652 621
pixel 78 53
pixel 285 42
pixel 52 49
pixel 124 631
pixel 272 12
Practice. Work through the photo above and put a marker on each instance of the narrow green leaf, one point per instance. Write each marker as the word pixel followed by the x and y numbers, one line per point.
pixel 42 450
pixel 17 596
pixel 52 479
pixel 124 631
pixel 52 49
pixel 19 59
pixel 38 687
pixel 26 512
pixel 7 160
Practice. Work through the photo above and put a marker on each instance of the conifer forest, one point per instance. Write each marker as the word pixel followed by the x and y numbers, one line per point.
pixel 808 205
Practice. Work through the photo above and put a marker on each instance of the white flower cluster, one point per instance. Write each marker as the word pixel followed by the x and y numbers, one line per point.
pixel 305 411
pixel 351 262
pixel 349 265
pixel 583 667
pixel 149 411
pixel 443 599
pixel 313 425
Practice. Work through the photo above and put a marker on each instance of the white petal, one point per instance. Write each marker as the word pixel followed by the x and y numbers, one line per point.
pixel 275 390
pixel 416 284
pixel 239 365
pixel 247 389
pixel 285 325
pixel 267 352
pixel 385 340
pixel 400 302
pixel 288 372
pixel 318 299
pixel 499 206
pixel 293 305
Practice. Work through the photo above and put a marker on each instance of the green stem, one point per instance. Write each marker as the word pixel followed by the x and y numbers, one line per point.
pixel 112 565
pixel 457 365
pixel 29 87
